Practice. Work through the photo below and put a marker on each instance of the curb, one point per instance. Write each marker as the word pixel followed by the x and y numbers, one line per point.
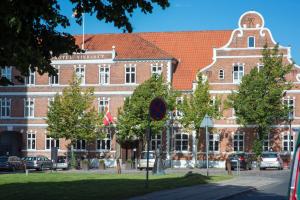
pixel 237 193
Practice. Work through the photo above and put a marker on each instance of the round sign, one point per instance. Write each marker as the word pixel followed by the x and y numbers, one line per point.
pixel 157 109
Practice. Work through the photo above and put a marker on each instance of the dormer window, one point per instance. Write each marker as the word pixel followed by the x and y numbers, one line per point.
pixel 221 74
pixel 251 42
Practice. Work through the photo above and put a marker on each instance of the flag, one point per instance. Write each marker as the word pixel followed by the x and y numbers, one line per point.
pixel 107 118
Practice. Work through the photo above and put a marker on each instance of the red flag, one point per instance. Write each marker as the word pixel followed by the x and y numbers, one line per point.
pixel 107 119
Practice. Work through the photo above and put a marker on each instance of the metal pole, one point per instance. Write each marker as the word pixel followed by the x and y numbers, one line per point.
pixel 290 135
pixel 148 149
pixel 206 150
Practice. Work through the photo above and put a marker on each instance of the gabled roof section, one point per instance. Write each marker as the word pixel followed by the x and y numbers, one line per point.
pixel 192 49
pixel 128 46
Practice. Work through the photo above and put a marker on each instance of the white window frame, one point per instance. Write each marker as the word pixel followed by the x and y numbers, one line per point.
pixel 178 114
pixel 80 75
pixel 287 100
pixel 81 147
pixel 29 107
pixel 156 69
pixel 48 139
pixel 285 139
pixel 221 74
pixel 238 75
pixel 130 73
pixel 104 75
pixel 266 140
pixel 103 104
pixel 238 133
pixel 259 66
pixel 28 79
pixel 248 41
pixel 215 139
pixel 157 140
pixel 51 77
pixel 31 140
pixel 5 105
pixel 99 142
pixel 6 72
pixel 181 140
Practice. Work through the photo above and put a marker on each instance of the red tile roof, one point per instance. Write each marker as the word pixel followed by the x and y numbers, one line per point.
pixel 193 49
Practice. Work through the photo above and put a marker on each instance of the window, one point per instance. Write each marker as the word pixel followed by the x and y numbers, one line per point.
pixel 213 144
pixel 50 142
pixel 103 104
pixel 238 73
pixel 31 141
pixel 266 143
pixel 29 107
pixel 155 142
pixel 30 79
pixel 251 42
pixel 289 102
pixel 260 67
pixel 285 142
pixel 104 144
pixel 156 69
pixel 238 142
pixel 130 74
pixel 80 73
pixel 181 141
pixel 53 79
pixel 6 72
pixel 104 74
pixel 5 104
pixel 80 145
pixel 221 74
pixel 177 113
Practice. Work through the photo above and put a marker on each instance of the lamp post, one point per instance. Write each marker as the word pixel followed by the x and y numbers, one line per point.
pixel 290 118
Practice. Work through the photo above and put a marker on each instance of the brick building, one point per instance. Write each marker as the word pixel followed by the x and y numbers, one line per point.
pixel 115 64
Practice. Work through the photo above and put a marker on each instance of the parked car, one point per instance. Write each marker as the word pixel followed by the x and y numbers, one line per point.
pixel 241 160
pixel 12 163
pixel 270 160
pixel 142 164
pixel 38 162
pixel 62 163
pixel 294 192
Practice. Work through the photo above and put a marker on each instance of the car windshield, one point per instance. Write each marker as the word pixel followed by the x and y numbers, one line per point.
pixel 3 159
pixel 30 158
pixel 144 155
pixel 61 159
pixel 236 155
pixel 269 155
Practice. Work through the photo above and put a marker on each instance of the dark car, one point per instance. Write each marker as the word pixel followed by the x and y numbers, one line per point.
pixel 241 160
pixel 38 162
pixel 12 163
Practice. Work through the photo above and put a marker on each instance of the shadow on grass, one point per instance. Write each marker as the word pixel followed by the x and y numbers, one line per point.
pixel 33 186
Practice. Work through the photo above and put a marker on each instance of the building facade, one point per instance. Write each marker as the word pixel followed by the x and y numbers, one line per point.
pixel 115 64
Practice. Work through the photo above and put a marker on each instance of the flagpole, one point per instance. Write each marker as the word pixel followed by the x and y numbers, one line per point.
pixel 83 30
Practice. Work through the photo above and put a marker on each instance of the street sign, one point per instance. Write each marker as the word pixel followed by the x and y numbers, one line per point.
pixel 157 109
pixel 206 122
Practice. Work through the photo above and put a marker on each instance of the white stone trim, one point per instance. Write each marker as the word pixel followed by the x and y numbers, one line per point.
pixel 46 94
pixel 72 62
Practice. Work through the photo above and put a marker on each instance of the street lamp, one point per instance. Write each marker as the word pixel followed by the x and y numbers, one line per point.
pixel 290 118
pixel 169 137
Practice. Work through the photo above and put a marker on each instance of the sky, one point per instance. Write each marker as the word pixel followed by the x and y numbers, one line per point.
pixel 281 17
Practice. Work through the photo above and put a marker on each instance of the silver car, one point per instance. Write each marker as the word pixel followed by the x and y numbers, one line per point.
pixel 38 162
pixel 271 160
pixel 143 161
pixel 62 163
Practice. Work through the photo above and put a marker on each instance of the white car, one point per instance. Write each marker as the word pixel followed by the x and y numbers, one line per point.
pixel 143 160
pixel 271 160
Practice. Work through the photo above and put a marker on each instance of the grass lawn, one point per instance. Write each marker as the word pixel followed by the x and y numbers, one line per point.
pixel 87 186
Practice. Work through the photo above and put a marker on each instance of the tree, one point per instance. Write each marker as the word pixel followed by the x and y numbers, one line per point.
pixel 134 116
pixel 31 37
pixel 72 115
pixel 258 101
pixel 195 106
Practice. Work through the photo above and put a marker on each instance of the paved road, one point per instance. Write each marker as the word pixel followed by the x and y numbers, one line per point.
pixel 274 191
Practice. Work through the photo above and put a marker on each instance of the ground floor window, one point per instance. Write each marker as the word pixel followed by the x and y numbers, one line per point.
pixel 31 141
pixel 285 142
pixel 238 141
pixel 80 144
pixel 155 142
pixel 105 143
pixel 50 142
pixel 266 143
pixel 181 141
pixel 213 142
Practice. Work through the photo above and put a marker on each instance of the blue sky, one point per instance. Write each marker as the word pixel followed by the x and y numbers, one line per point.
pixel 281 17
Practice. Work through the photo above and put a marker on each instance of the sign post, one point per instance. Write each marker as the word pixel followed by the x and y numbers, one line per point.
pixel 157 111
pixel 206 122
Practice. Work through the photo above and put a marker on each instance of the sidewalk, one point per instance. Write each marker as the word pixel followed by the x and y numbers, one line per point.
pixel 215 191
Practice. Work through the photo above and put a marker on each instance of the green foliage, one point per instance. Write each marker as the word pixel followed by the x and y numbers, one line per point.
pixel 195 106
pixel 258 100
pixel 133 118
pixel 32 37
pixel 72 115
